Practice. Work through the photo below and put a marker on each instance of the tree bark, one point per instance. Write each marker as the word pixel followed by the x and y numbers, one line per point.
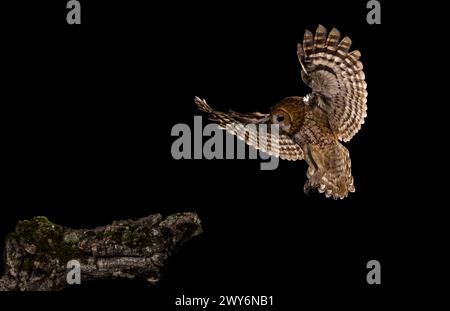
pixel 37 252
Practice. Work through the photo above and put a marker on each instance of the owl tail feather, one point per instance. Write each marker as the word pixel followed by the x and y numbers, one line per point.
pixel 333 175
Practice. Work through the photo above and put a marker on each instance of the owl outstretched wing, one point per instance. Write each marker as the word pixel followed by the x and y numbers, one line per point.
pixel 238 124
pixel 336 78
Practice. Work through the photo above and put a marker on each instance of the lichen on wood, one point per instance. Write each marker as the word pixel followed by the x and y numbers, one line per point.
pixel 37 252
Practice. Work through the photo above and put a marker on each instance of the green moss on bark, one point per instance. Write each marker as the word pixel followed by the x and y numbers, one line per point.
pixel 49 241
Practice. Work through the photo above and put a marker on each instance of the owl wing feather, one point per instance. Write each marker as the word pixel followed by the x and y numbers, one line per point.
pixel 236 123
pixel 336 78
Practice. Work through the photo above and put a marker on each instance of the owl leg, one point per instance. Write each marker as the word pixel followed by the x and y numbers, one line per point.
pixel 315 170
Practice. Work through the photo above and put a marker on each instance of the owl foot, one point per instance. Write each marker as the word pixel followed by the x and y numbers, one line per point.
pixel 312 182
pixel 307 187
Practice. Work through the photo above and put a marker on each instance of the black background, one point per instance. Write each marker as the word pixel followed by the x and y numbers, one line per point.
pixel 88 134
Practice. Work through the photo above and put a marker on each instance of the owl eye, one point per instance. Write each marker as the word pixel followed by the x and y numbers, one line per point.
pixel 280 119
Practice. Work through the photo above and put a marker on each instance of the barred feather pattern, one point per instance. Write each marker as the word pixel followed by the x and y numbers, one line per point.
pixel 246 128
pixel 337 79
pixel 337 179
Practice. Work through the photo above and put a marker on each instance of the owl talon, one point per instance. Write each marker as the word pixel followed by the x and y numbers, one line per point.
pixel 307 188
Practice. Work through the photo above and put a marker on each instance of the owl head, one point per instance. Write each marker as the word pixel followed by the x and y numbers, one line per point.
pixel 288 114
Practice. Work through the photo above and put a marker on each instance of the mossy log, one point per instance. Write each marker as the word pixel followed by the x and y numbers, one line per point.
pixel 37 252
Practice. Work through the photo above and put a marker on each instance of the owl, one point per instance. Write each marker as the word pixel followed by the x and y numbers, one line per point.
pixel 312 127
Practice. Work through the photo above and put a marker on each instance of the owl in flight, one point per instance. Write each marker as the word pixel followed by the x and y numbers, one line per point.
pixel 311 127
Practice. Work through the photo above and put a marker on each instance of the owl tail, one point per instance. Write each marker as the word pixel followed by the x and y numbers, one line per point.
pixel 332 173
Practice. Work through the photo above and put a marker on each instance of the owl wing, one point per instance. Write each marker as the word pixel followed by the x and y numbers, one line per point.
pixel 336 78
pixel 239 124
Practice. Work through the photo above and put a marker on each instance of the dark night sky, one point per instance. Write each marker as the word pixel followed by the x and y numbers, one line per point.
pixel 88 140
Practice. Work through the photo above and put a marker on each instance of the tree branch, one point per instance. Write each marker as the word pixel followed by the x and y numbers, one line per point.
pixel 37 252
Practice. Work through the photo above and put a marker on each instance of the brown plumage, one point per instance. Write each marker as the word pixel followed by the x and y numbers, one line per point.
pixel 312 126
